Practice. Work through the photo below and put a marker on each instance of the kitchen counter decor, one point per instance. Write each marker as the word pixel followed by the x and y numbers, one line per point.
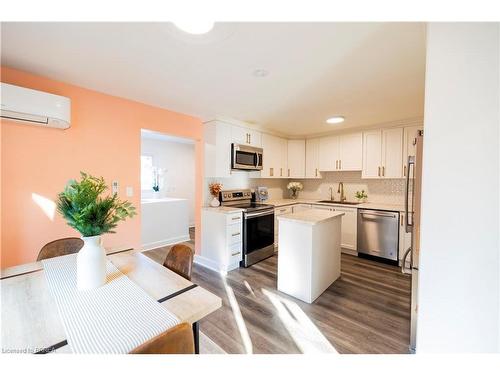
pixel 294 188
pixel 215 188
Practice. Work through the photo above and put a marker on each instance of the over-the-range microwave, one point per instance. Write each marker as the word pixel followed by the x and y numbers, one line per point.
pixel 246 157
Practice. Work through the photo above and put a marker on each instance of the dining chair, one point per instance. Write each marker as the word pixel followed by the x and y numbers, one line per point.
pixel 180 260
pixel 176 340
pixel 62 246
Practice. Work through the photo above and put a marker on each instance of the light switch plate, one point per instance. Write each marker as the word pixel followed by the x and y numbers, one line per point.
pixel 129 191
pixel 114 187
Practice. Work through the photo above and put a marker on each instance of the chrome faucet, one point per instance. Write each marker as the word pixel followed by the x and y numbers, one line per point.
pixel 341 191
pixel 331 193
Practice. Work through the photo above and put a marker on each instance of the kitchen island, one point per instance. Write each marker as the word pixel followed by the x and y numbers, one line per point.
pixel 309 252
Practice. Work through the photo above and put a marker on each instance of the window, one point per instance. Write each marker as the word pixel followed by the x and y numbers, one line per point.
pixel 146 172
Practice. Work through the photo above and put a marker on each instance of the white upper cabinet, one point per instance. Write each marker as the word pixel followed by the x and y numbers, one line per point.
pixel 392 153
pixel 328 154
pixel 382 153
pixel 372 154
pixel 275 157
pixel 409 144
pixel 312 158
pixel 341 153
pixel 296 158
pixel 271 156
pixel 283 150
pixel 351 152
pixel 245 136
pixel 217 136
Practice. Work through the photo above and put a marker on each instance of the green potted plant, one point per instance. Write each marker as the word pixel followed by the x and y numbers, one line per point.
pixel 85 208
pixel 361 196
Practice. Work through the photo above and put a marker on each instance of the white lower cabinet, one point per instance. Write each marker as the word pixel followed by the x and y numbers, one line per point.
pixel 349 237
pixel 221 240
pixel 278 211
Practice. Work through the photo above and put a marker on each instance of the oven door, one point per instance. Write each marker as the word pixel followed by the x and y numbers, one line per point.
pixel 246 157
pixel 258 236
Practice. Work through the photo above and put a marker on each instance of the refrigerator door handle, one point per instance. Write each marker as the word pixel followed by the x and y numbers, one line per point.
pixel 404 269
pixel 409 215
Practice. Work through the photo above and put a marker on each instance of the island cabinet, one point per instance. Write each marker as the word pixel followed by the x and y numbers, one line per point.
pixel 309 245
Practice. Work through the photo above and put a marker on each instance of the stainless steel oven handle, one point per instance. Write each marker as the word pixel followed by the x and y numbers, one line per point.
pixel 259 213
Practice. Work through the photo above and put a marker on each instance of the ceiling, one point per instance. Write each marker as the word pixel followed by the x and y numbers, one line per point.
pixel 371 73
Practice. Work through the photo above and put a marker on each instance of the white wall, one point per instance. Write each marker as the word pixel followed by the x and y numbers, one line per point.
pixel 178 160
pixel 459 265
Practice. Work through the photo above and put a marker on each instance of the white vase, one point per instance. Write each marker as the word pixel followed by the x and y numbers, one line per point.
pixel 215 202
pixel 91 264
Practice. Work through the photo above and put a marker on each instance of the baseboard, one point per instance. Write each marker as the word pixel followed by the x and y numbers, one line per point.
pixel 207 263
pixel 167 242
pixel 214 266
pixel 349 251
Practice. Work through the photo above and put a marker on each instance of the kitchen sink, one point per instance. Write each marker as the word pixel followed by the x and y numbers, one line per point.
pixel 339 202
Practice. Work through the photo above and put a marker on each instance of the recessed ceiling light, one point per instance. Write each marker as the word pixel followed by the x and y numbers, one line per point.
pixel 335 120
pixel 195 26
pixel 260 72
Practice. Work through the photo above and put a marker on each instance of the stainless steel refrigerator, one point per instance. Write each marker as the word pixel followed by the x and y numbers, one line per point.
pixel 412 208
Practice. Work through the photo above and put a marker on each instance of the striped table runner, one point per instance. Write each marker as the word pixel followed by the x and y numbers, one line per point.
pixel 114 318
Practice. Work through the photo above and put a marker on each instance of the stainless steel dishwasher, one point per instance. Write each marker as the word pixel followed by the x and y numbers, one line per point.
pixel 378 233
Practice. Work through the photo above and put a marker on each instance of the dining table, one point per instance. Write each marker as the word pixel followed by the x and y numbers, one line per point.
pixel 30 318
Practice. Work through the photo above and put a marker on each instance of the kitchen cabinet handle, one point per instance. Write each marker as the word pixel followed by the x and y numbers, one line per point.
pixel 281 172
pixel 288 172
pixel 404 170
pixel 271 172
pixel 316 172
pixel 340 164
pixel 235 218
pixel 235 234
pixel 233 254
pixel 379 171
pixel 336 164
pixel 383 171
pixel 250 138
pixel 402 219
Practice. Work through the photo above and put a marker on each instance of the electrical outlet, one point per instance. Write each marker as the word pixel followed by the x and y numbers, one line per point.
pixel 114 187
pixel 129 191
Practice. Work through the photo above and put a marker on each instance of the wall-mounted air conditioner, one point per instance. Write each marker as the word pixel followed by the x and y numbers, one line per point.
pixel 34 107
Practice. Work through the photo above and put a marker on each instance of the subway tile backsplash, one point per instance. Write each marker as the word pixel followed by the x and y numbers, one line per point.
pixel 389 191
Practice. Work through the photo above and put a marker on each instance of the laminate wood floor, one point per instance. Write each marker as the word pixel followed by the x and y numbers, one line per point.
pixel 367 310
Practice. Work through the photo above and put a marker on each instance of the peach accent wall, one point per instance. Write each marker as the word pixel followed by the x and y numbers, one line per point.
pixel 104 140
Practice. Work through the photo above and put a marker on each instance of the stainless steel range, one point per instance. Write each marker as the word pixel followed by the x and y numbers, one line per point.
pixel 258 225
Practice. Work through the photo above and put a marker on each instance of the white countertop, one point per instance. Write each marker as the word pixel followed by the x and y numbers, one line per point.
pixel 223 209
pixel 368 205
pixel 311 217
pixel 159 200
